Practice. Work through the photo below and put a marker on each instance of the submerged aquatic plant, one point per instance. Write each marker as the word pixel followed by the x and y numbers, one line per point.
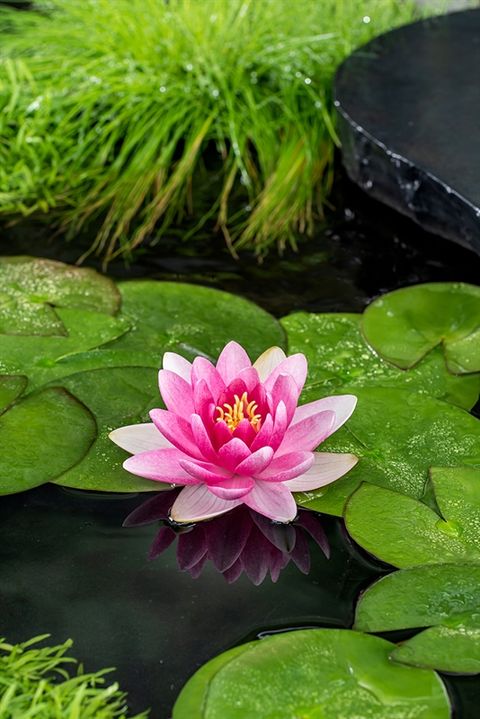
pixel 233 434
pixel 240 542
pixel 36 682
pixel 110 110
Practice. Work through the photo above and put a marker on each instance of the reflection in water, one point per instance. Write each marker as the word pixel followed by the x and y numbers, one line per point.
pixel 236 542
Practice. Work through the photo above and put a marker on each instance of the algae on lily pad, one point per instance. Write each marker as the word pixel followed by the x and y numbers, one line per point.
pixel 192 320
pixel 406 532
pixel 445 598
pixel 39 357
pixel 398 435
pixel 339 357
pixel 42 436
pixel 115 396
pixel 32 287
pixel 404 325
pixel 319 673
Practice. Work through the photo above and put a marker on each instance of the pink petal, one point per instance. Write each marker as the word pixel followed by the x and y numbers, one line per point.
pixel 220 433
pixel 279 426
pixel 232 453
pixel 285 389
pixel 327 468
pixel 256 463
pixel 202 438
pixel 342 404
pixel 203 401
pixel 204 369
pixel 136 438
pixel 232 360
pixel 249 376
pixel 264 435
pixel 295 365
pixel 288 466
pixel 234 488
pixel 307 434
pixel 245 432
pixel 161 465
pixel 272 500
pixel 178 364
pixel 177 430
pixel 195 504
pixel 176 393
pixel 267 362
pixel 205 472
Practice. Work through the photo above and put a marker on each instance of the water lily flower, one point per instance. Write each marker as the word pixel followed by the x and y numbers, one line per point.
pixel 242 542
pixel 232 434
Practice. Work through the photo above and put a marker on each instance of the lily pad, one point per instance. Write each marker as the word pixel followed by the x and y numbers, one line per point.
pixel 338 356
pixel 406 532
pixel 32 287
pixel 319 673
pixel 192 320
pixel 41 437
pixel 398 436
pixel 116 397
pixel 191 700
pixel 38 356
pixel 11 387
pixel 445 598
pixel 403 326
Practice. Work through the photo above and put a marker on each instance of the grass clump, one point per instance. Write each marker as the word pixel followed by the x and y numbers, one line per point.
pixel 37 682
pixel 114 113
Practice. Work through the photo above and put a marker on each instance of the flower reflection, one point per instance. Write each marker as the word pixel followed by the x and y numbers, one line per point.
pixel 241 542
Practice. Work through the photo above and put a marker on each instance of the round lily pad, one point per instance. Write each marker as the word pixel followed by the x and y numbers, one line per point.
pixel 319 673
pixel 398 436
pixel 116 397
pixel 444 598
pixel 38 357
pixel 405 532
pixel 41 437
pixel 403 326
pixel 338 356
pixel 11 387
pixel 32 287
pixel 191 700
pixel 192 320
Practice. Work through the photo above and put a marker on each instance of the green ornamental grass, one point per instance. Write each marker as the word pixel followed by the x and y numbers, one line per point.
pixel 117 115
pixel 38 682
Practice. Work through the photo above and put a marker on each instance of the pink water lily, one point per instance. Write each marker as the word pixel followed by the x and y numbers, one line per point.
pixel 233 434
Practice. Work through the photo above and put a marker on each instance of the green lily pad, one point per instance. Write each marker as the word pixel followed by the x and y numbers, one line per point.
pixel 32 287
pixel 116 397
pixel 41 437
pixel 445 598
pixel 338 356
pixel 403 326
pixel 319 673
pixel 406 532
pixel 11 387
pixel 38 356
pixel 192 320
pixel 398 436
pixel 191 700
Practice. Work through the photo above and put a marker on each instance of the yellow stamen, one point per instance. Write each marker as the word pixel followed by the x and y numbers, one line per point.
pixel 232 415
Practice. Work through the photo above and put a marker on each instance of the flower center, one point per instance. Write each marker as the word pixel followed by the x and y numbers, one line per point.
pixel 241 409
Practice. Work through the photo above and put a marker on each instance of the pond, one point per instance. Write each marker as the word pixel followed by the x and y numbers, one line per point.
pixel 70 569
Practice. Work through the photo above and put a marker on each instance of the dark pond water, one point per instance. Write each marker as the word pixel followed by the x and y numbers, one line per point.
pixel 69 568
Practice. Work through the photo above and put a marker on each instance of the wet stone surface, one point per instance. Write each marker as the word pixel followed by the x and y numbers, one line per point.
pixel 409 107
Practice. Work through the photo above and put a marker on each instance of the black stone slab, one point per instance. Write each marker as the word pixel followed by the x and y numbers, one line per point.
pixel 409 122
